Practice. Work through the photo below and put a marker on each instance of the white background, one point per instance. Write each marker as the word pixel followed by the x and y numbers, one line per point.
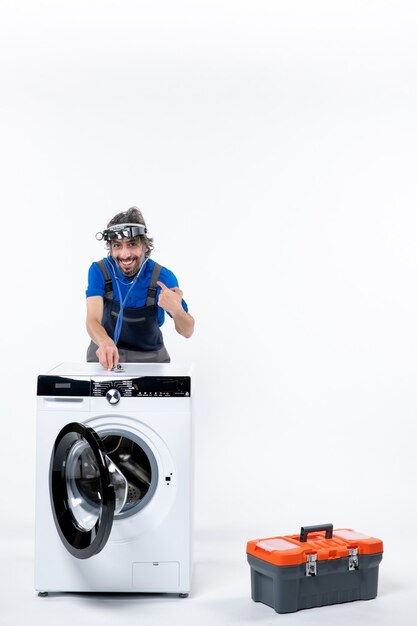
pixel 272 149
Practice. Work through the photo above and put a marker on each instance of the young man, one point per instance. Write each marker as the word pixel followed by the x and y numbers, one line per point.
pixel 128 295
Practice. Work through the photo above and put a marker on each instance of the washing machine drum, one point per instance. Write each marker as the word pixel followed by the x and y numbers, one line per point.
pixel 87 490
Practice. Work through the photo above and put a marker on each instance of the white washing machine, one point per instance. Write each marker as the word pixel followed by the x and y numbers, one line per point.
pixel 113 482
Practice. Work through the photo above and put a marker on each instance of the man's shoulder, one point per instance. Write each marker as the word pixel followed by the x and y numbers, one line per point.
pixel 97 267
pixel 96 280
pixel 96 264
pixel 166 276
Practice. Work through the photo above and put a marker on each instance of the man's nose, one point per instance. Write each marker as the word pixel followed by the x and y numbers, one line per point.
pixel 125 252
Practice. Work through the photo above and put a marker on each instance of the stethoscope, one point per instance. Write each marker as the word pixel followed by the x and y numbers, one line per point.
pixel 119 321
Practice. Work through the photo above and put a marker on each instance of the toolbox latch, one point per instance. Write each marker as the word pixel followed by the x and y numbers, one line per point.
pixel 353 559
pixel 311 565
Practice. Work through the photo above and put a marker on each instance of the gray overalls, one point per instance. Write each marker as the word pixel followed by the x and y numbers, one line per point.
pixel 140 338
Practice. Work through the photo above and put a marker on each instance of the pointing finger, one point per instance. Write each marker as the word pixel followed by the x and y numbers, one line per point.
pixel 163 287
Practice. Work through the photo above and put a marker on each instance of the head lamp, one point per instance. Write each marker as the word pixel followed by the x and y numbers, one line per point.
pixel 122 231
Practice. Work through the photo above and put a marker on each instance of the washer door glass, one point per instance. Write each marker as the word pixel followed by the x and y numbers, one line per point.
pixel 86 490
pixel 82 477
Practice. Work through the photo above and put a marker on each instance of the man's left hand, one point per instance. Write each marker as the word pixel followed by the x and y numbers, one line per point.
pixel 170 299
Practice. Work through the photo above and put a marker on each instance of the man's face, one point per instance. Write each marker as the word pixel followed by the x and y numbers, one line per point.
pixel 128 254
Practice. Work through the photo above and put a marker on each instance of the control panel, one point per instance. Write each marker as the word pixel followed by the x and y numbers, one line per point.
pixel 99 387
pixel 145 387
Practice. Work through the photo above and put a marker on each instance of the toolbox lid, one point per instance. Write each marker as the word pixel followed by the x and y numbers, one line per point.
pixel 321 540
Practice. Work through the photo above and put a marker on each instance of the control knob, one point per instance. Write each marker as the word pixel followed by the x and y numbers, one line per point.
pixel 113 396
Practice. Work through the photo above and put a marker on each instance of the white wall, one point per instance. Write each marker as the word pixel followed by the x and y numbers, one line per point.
pixel 272 149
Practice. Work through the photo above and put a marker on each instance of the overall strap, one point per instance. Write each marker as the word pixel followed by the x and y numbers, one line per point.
pixel 150 300
pixel 108 287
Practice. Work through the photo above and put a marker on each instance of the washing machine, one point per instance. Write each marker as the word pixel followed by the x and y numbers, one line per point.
pixel 113 479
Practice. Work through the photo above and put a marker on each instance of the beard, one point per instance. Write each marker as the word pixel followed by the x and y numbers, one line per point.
pixel 131 268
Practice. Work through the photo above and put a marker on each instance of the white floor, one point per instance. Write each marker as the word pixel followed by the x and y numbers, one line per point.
pixel 220 594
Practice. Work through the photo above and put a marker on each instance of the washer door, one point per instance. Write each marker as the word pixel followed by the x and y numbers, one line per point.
pixel 85 491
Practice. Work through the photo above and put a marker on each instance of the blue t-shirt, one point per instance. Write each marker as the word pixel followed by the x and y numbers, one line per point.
pixel 138 295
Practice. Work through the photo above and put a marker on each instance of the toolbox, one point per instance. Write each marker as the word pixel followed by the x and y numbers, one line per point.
pixel 317 567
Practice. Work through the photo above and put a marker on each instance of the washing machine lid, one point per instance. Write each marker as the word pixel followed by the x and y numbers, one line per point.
pixel 81 490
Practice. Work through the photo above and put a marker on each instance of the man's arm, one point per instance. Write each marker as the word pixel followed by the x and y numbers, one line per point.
pixel 184 323
pixel 107 352
pixel 171 301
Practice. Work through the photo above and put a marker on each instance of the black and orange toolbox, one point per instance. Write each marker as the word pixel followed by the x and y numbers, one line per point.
pixel 317 567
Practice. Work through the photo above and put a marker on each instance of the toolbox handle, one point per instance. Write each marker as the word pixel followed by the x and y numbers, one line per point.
pixel 305 530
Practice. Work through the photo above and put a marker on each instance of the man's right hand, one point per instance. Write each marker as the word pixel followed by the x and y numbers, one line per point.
pixel 108 355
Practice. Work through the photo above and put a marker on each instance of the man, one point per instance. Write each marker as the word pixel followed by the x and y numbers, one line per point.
pixel 128 295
